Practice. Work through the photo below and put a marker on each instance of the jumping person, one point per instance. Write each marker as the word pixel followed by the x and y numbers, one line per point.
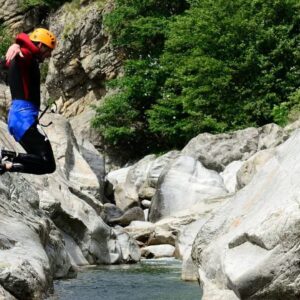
pixel 22 59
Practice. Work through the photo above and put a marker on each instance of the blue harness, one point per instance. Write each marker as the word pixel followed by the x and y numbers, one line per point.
pixel 22 115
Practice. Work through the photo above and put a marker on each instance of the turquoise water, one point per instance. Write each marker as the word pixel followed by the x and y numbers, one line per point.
pixel 147 280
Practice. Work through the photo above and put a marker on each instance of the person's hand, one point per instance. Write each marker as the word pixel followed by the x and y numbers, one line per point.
pixel 12 52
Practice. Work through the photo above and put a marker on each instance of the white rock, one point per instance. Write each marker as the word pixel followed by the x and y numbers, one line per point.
pixel 146 203
pixel 249 245
pixel 130 250
pixel 74 252
pixel 217 151
pixel 229 175
pixel 185 183
pixel 158 251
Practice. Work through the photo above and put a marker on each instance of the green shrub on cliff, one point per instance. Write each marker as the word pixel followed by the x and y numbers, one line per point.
pixel 139 30
pixel 26 4
pixel 5 40
pixel 229 63
pixel 218 66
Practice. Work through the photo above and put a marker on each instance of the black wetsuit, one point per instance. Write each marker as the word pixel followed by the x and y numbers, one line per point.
pixel 24 82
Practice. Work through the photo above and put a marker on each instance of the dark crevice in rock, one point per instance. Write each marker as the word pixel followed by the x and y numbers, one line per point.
pixel 70 225
pixel 6 243
pixel 86 198
pixel 253 239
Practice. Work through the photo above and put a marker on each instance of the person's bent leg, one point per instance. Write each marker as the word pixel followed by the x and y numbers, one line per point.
pixel 39 158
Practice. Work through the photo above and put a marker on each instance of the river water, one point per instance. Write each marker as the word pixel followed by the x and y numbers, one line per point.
pixel 157 279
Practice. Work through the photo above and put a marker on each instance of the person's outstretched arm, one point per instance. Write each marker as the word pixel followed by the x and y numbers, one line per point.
pixel 12 52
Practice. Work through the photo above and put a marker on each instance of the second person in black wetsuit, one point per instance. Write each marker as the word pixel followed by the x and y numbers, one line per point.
pixel 24 83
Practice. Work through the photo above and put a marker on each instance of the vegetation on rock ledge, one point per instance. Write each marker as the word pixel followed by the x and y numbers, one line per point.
pixel 198 66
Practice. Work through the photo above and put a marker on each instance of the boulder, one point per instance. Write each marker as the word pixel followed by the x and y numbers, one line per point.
pixel 146 203
pixel 162 236
pixel 32 251
pixel 158 251
pixel 117 180
pixel 140 230
pixel 146 193
pixel 217 151
pixel 140 179
pixel 109 212
pixel 249 246
pixel 136 176
pixel 183 184
pixel 132 214
pixel 251 166
pixel 229 176
pixel 129 249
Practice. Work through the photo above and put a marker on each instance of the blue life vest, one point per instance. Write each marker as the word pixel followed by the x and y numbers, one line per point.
pixel 22 115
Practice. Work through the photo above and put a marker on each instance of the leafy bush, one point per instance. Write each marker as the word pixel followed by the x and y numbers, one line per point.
pixel 216 66
pixel 139 26
pixel 229 64
pixel 26 4
pixel 5 40
pixel 139 30
pixel 288 111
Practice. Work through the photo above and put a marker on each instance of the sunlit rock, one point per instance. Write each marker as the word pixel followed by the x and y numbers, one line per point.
pixel 249 246
pixel 158 251
pixel 183 184
pixel 217 151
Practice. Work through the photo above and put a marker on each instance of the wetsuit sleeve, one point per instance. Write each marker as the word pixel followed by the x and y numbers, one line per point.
pixel 24 41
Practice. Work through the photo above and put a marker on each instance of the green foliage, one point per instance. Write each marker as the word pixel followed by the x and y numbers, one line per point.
pixel 139 26
pixel 114 109
pixel 27 4
pixel 213 66
pixel 5 40
pixel 230 62
pixel 139 29
pixel 44 67
pixel 280 113
pixel 121 119
pixel 291 111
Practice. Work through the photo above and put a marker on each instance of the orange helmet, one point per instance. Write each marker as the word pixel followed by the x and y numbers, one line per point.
pixel 44 36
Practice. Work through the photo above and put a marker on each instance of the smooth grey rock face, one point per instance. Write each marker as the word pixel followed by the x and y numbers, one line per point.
pixel 32 249
pixel 229 176
pixel 132 214
pixel 75 163
pixel 251 166
pixel 132 184
pixel 130 250
pixel 6 295
pixel 158 251
pixel 110 212
pixel 249 245
pixel 217 151
pixel 74 252
pixel 183 184
pixel 140 230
